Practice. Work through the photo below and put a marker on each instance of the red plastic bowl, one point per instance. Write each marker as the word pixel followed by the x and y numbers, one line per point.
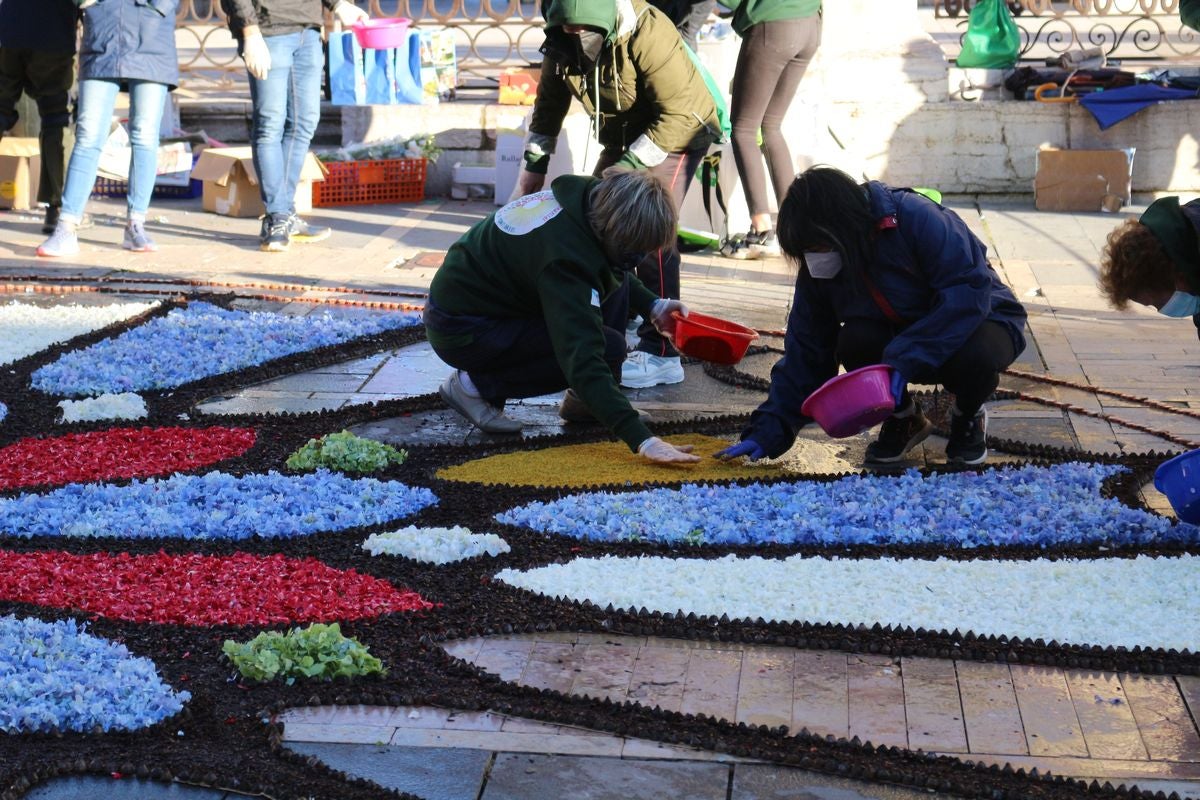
pixel 382 34
pixel 712 339
pixel 849 404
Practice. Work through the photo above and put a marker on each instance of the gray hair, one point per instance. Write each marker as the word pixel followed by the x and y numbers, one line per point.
pixel 633 211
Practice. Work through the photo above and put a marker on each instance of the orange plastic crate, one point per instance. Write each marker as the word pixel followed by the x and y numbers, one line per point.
pixel 359 183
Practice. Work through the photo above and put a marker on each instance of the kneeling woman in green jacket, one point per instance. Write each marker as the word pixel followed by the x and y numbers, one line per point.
pixel 515 307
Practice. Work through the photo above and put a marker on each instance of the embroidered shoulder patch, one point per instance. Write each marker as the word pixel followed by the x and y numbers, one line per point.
pixel 527 213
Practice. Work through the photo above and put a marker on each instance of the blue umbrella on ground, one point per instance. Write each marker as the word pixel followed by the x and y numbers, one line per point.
pixel 1113 105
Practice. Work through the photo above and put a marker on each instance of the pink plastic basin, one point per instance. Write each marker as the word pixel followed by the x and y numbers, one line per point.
pixel 381 34
pixel 711 338
pixel 849 404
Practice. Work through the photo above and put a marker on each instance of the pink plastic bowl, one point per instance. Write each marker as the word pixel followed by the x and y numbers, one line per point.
pixel 850 404
pixel 382 34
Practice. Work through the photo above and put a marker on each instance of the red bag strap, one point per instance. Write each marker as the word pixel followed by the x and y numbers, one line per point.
pixel 886 223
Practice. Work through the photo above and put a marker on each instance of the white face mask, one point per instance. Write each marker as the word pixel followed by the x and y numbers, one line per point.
pixel 1181 304
pixel 823 265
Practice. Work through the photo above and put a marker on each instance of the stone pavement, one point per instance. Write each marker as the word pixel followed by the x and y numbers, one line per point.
pixel 1023 716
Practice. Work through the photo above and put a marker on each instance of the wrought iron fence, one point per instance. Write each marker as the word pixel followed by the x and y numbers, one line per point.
pixel 1139 30
pixel 491 34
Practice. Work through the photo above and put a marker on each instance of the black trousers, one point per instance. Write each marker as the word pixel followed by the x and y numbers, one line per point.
pixel 971 374
pixel 47 78
pixel 512 358
pixel 659 271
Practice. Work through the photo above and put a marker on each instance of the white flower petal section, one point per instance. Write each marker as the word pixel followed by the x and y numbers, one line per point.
pixel 25 329
pixel 435 545
pixel 126 405
pixel 1147 601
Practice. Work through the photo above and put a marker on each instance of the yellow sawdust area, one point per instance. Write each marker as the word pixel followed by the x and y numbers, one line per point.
pixel 580 465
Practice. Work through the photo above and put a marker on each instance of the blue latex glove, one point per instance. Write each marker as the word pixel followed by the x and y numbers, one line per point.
pixel 747 447
pixel 898 385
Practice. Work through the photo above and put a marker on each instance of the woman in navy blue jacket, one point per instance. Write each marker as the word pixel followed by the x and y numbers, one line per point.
pixel 127 45
pixel 886 276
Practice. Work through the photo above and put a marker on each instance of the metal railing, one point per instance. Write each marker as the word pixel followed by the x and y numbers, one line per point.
pixel 491 34
pixel 1138 30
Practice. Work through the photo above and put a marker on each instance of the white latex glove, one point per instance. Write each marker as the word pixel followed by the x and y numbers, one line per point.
pixel 661 315
pixel 348 14
pixel 86 3
pixel 256 55
pixel 530 182
pixel 655 449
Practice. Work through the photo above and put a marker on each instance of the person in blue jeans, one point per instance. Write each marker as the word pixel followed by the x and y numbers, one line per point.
pixel 127 45
pixel 280 41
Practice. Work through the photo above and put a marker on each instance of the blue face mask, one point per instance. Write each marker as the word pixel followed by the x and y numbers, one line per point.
pixel 1181 304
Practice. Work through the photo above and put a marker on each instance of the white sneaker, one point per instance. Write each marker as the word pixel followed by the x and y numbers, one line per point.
pixel 642 370
pixel 63 242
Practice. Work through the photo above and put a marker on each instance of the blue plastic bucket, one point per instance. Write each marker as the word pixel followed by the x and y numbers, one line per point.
pixel 1179 480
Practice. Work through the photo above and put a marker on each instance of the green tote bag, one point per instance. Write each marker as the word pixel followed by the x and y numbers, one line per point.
pixel 992 40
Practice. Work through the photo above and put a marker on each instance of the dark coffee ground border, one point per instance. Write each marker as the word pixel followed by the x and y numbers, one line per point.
pixel 226 737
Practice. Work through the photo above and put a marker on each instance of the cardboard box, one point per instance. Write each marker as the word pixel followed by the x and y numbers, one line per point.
pixel 518 86
pixel 231 184
pixel 20 172
pixel 1082 180
pixel 173 159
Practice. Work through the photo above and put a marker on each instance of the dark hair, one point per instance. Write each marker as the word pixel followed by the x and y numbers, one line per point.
pixel 1134 261
pixel 826 207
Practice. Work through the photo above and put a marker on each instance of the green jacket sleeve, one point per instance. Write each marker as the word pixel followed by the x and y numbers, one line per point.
pixel 577 335
pixel 549 110
pixel 673 86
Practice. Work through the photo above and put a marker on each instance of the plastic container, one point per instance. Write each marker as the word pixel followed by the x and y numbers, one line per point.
pixel 1179 480
pixel 359 183
pixel 849 404
pixel 382 34
pixel 712 339
pixel 109 187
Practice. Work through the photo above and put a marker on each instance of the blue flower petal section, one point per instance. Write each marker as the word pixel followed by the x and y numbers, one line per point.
pixel 56 677
pixel 199 341
pixel 1029 506
pixel 3 411
pixel 213 506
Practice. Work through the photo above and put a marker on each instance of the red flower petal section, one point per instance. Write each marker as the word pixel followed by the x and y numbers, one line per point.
pixel 191 589
pixel 118 453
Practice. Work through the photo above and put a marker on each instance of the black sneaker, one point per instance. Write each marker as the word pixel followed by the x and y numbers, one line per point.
pixel 51 220
pixel 898 435
pixel 967 444
pixel 301 231
pixel 273 238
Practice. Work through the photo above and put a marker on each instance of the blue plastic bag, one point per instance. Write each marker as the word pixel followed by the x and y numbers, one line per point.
pixel 347 84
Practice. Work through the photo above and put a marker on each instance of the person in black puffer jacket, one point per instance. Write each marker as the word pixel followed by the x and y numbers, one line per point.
pixel 280 41
pixel 688 15
pixel 37 57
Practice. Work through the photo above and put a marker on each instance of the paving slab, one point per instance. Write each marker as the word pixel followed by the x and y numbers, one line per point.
pixel 766 782
pixel 76 787
pixel 429 773
pixel 521 777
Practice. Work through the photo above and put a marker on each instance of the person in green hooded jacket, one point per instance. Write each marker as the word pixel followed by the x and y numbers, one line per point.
pixel 515 306
pixel 1155 261
pixel 624 61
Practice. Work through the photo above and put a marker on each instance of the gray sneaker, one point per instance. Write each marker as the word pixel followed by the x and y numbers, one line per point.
pixel 482 414
pixel 136 238
pixel 63 242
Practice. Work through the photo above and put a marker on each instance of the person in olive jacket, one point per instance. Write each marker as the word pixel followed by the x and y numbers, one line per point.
pixel 515 306
pixel 624 61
